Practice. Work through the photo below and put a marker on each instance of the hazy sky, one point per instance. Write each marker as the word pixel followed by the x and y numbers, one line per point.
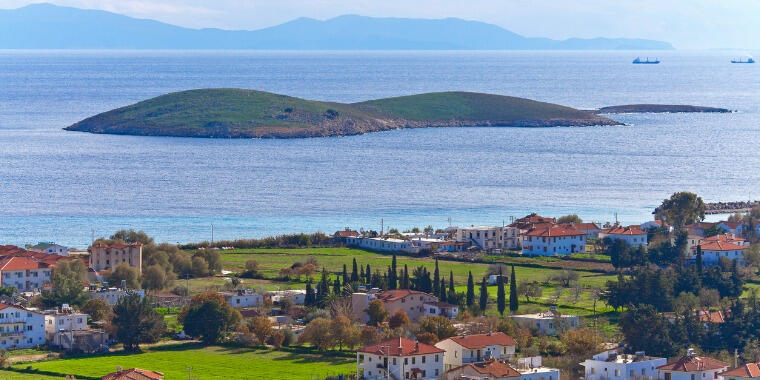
pixel 688 24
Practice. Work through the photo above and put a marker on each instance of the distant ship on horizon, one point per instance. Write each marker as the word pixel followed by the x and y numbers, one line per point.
pixel 742 60
pixel 639 61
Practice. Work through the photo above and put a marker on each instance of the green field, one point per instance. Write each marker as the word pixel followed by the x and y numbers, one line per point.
pixel 271 260
pixel 205 362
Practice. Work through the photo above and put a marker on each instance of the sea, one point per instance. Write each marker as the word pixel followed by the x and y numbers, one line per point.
pixel 68 187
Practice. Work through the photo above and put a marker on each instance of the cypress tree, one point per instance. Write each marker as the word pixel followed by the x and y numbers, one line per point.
pixel 483 295
pixel 443 291
pixel 405 278
pixel 699 261
pixel 451 294
pixel 500 300
pixel 345 274
pixel 513 302
pixel 309 299
pixel 336 286
pixel 436 279
pixel 361 274
pixel 470 290
pixel 368 274
pixel 392 274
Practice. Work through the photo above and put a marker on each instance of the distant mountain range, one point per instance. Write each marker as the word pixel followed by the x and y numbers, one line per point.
pixel 47 26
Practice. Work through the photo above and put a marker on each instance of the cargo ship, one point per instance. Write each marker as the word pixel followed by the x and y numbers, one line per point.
pixel 639 61
pixel 742 60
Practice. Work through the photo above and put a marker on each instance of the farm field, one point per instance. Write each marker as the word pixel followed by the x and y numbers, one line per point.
pixel 271 260
pixel 211 362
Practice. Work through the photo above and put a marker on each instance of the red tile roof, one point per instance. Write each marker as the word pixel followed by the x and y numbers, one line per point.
pixel 4 306
pixel 721 246
pixel 749 370
pixel 711 316
pixel 493 368
pixel 21 263
pixel 483 340
pixel 134 374
pixel 620 230
pixel 347 233
pixel 732 225
pixel 553 231
pixel 693 363
pixel 115 246
pixel 397 294
pixel 731 238
pixel 700 225
pixel 400 347
pixel 582 226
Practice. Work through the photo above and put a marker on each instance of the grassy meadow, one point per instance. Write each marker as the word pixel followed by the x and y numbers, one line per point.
pixel 213 362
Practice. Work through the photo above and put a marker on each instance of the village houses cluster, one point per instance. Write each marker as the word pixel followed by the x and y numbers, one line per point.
pixel 467 356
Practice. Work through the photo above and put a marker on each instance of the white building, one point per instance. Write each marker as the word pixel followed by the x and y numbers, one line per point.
pixel 24 273
pixel 64 321
pixel 383 244
pixel 610 365
pixel 692 367
pixel 298 296
pixel 399 358
pixel 50 248
pixel 489 238
pixel 713 251
pixel 113 295
pixel 485 370
pixel 749 371
pixel 476 348
pixel 531 368
pixel 441 308
pixel 548 323
pixel 736 228
pixel 553 240
pixel 646 226
pixel 243 298
pixel 20 328
pixel 633 235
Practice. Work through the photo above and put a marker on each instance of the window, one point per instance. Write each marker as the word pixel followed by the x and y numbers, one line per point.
pixel 414 360
pixel 361 357
pixel 394 361
pixel 593 370
pixel 423 359
pixel 693 376
pixel 29 328
pixel 617 372
pixel 406 361
pixel 436 360
pixel 436 373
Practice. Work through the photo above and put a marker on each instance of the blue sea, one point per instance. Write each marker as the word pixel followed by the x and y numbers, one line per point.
pixel 67 186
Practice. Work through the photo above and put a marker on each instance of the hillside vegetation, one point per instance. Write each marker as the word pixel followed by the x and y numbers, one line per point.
pixel 239 113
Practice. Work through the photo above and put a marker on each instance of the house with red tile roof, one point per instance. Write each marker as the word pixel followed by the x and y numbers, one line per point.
pixel 134 374
pixel 27 271
pixel 399 358
pixel 736 227
pixel 553 240
pixel 692 367
pixel 346 233
pixel 614 364
pixel 749 371
pixel 103 256
pixel 531 221
pixel 713 251
pixel 633 235
pixel 486 370
pixel 699 228
pixel 464 349
pixel 591 229
pixel 412 302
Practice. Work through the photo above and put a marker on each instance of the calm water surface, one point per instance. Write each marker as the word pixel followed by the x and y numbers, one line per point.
pixel 62 186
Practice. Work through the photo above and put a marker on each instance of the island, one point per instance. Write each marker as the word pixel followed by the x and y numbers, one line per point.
pixel 241 113
pixel 658 108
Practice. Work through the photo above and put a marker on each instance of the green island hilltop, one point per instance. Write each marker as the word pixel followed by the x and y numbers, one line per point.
pixel 240 113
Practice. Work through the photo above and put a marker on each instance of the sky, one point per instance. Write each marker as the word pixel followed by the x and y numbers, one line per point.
pixel 687 24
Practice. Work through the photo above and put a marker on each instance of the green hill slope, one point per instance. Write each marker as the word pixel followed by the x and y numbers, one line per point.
pixel 238 113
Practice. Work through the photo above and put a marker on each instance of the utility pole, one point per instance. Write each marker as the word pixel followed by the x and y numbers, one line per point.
pixel 382 227
pixel 212 233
